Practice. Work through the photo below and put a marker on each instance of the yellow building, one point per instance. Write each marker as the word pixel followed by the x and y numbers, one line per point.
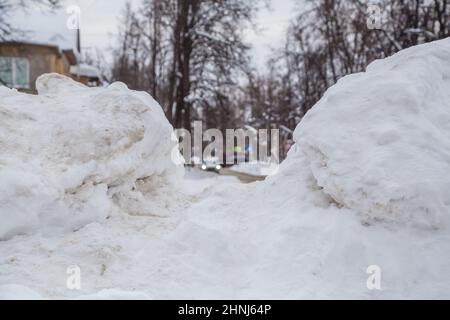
pixel 21 63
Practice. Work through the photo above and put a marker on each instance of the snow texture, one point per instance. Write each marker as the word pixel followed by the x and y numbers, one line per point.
pixel 379 142
pixel 73 155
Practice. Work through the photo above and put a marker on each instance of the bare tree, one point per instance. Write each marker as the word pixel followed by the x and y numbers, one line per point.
pixel 128 65
pixel 8 7
pixel 191 52
pixel 330 39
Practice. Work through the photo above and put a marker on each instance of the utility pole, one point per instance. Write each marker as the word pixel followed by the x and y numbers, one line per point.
pixel 79 52
pixel 78 41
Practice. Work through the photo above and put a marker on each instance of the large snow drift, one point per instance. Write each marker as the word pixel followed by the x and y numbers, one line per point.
pixel 73 155
pixel 379 141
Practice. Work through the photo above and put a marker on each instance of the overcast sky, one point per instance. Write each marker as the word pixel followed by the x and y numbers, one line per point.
pixel 99 24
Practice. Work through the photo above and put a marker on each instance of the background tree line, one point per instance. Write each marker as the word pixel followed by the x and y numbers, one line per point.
pixel 330 39
pixel 190 55
pixel 8 7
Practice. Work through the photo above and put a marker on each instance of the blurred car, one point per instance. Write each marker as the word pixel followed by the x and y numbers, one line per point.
pixel 211 165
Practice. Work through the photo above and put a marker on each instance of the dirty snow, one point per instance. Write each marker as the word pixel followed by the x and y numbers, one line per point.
pixel 73 155
pixel 365 185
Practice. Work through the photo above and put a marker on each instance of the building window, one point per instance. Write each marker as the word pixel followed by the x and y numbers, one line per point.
pixel 15 72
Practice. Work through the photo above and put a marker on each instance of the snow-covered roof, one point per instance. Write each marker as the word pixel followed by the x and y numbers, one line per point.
pixel 44 28
pixel 63 42
pixel 56 40
pixel 84 70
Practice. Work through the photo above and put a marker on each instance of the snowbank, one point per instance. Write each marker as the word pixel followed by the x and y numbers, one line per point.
pixel 72 155
pixel 379 141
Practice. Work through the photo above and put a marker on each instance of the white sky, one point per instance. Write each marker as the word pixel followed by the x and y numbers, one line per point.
pixel 99 23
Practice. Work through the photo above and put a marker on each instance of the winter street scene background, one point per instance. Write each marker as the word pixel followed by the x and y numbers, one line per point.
pixel 224 149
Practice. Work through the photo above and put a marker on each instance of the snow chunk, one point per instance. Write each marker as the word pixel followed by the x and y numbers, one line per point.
pixel 379 142
pixel 73 155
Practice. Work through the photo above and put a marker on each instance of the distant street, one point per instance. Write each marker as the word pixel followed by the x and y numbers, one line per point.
pixel 243 177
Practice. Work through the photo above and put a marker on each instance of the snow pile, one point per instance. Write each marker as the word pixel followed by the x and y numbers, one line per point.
pixel 73 155
pixel 379 142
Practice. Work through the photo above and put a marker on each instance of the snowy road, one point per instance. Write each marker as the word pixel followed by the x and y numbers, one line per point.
pixel 243 177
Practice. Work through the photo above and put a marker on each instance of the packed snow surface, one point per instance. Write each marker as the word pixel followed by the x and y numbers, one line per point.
pixel 365 185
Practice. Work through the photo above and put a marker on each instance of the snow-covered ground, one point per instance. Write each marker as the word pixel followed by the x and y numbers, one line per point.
pixel 256 168
pixel 122 257
pixel 365 185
